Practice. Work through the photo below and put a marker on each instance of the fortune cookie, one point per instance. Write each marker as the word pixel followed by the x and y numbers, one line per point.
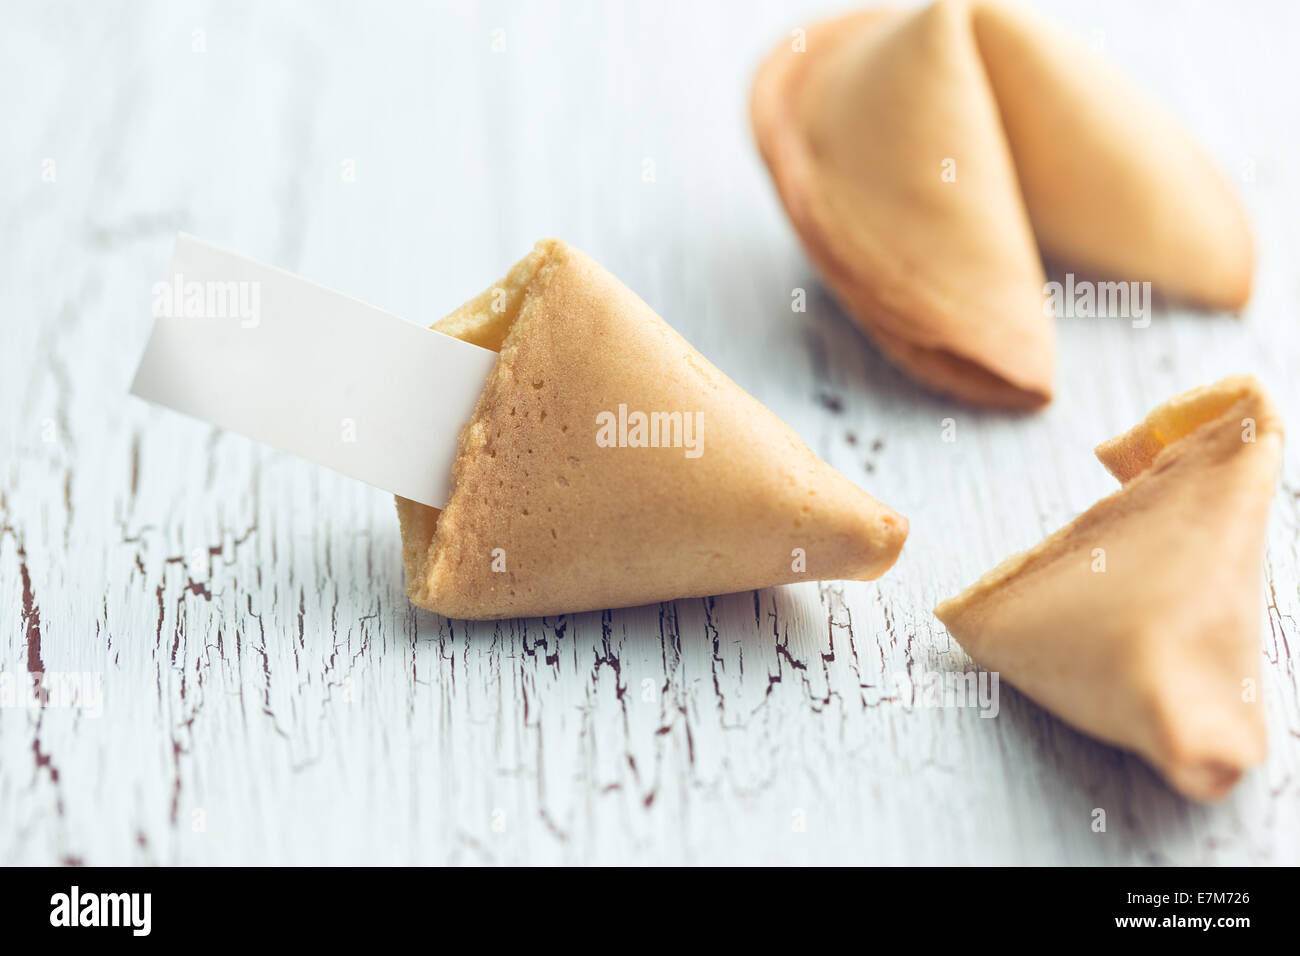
pixel 927 158
pixel 1139 622
pixel 608 464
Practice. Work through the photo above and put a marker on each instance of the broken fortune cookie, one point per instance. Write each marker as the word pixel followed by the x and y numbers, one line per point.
pixel 554 509
pixel 1139 622
pixel 927 157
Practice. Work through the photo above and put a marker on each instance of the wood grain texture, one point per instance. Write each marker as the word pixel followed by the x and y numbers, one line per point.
pixel 269 696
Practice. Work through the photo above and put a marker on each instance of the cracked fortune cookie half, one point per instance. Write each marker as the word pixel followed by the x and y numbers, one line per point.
pixel 926 159
pixel 559 504
pixel 1139 622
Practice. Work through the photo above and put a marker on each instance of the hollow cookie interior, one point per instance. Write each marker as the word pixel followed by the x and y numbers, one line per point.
pixel 546 518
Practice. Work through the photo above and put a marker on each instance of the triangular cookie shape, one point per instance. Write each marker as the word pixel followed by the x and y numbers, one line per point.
pixel 884 142
pixel 927 157
pixel 609 464
pixel 1139 622
pixel 1114 185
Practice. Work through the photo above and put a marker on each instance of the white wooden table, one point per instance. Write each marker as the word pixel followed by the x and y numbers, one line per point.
pixel 269 696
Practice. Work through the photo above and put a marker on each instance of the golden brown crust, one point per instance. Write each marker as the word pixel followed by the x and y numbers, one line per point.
pixel 544 520
pixel 975 333
pixel 1114 185
pixel 945 275
pixel 1138 622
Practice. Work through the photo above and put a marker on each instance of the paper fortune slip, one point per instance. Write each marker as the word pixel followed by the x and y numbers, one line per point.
pixel 259 351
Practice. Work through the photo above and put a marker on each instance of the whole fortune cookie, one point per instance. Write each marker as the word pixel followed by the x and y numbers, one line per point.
pixel 927 158
pixel 552 512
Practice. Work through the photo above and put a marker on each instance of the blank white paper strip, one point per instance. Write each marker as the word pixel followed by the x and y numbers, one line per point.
pixel 262 352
